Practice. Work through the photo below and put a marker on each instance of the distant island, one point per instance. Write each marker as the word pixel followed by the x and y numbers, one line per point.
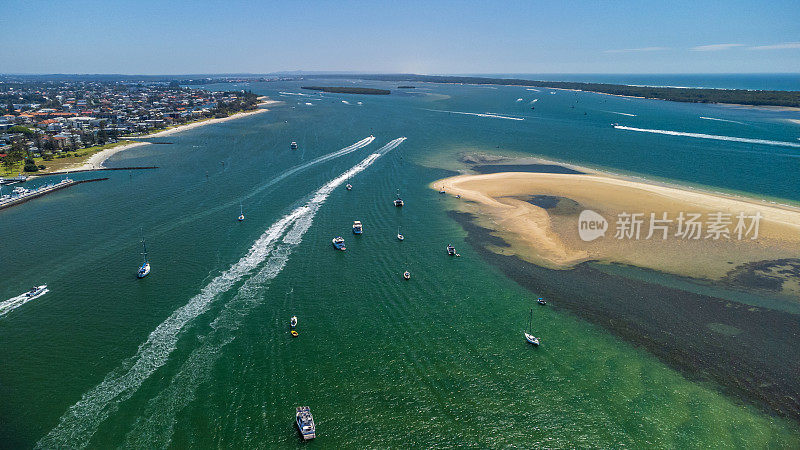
pixel 349 90
pixel 675 94
pixel 406 87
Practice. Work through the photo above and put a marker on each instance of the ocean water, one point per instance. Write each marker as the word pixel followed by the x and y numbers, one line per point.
pixel 199 352
pixel 757 81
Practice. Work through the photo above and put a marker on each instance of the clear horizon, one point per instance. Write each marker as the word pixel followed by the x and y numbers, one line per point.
pixel 156 38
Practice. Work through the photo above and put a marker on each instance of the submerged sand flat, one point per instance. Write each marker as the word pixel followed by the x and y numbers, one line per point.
pixel 548 234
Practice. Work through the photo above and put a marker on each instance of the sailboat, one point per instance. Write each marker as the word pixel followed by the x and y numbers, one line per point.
pixel 241 212
pixel 145 269
pixel 399 236
pixel 529 337
pixel 348 186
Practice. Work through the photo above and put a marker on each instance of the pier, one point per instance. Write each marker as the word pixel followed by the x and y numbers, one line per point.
pixel 13 201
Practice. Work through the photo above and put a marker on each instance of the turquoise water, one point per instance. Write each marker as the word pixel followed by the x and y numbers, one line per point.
pixel 199 353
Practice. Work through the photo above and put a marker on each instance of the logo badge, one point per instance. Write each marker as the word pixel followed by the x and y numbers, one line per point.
pixel 591 225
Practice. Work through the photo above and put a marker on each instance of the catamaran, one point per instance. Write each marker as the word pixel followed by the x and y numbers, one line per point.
pixel 528 336
pixel 338 243
pixel 241 212
pixel 145 269
pixel 357 227
pixel 305 422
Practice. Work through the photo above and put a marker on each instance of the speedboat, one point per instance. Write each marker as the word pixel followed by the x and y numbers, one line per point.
pixel 293 145
pixel 451 250
pixel 36 291
pixel 338 243
pixel 293 321
pixel 305 423
pixel 541 301
pixel 294 333
pixel 357 228
pixel 407 275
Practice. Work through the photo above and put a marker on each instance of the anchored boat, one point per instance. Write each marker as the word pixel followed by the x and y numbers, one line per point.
pixel 407 275
pixel 528 336
pixel 338 243
pixel 451 250
pixel 357 227
pixel 293 321
pixel 145 269
pixel 305 422
pixel 293 145
pixel 400 237
pixel 241 212
pixel 398 201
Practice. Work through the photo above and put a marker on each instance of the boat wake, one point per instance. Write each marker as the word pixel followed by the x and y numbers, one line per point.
pixel 491 115
pixel 300 94
pixel 15 302
pixel 621 113
pixel 299 168
pixel 80 422
pixel 711 136
pixel 721 120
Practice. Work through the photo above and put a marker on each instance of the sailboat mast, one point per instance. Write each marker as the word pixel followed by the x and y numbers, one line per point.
pixel 530 321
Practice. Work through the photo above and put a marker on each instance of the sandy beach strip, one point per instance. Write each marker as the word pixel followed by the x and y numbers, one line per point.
pixel 549 237
pixel 96 161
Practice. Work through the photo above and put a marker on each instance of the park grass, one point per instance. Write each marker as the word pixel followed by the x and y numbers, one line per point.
pixel 76 157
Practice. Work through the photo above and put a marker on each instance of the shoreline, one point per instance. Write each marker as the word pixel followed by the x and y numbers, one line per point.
pixel 97 160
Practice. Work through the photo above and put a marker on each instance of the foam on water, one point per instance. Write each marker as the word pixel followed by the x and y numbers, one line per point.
pixel 532 89
pixel 621 113
pixel 711 136
pixel 77 426
pixel 491 115
pixel 15 302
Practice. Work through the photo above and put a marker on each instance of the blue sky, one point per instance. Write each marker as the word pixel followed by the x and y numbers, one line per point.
pixel 180 37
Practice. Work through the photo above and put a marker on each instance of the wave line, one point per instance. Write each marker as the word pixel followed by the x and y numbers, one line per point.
pixel 710 136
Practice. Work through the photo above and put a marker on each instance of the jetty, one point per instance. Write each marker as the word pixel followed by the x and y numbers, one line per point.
pixel 24 195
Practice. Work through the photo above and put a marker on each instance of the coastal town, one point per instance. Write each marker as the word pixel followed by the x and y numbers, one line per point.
pixel 42 122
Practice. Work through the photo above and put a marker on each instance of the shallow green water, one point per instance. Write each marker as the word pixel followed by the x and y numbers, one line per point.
pixel 198 353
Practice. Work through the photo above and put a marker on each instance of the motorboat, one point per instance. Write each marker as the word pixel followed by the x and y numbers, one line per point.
pixel 407 275
pixel 36 291
pixel 305 423
pixel 293 321
pixel 293 145
pixel 451 250
pixel 400 237
pixel 541 301
pixel 338 243
pixel 357 227
pixel 241 213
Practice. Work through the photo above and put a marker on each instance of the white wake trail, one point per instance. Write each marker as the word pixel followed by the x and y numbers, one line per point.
pixel 15 302
pixel 711 136
pixel 155 428
pixel 491 115
pixel 81 421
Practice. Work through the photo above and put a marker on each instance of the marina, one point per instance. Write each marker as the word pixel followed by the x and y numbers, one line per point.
pixel 22 195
